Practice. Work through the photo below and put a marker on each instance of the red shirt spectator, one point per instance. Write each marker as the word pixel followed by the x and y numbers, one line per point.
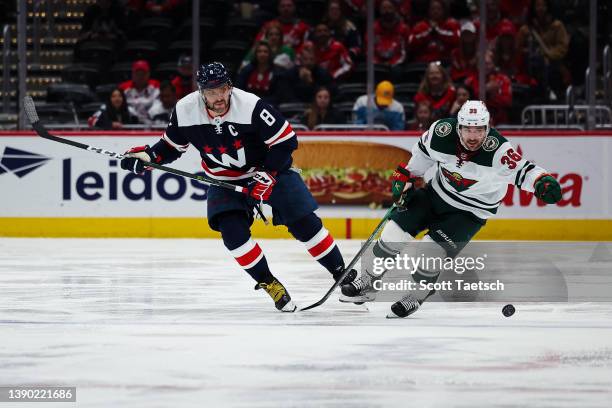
pixel 261 77
pixel 437 89
pixel 507 58
pixel 494 22
pixel 141 91
pixel 464 59
pixel 391 36
pixel 330 54
pixel 358 7
pixel 434 39
pixel 295 31
pixel 184 83
pixel 514 10
pixel 498 91
pixel 342 29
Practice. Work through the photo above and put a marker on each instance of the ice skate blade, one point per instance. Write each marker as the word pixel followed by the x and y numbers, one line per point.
pixel 290 307
pixel 356 299
pixel 392 315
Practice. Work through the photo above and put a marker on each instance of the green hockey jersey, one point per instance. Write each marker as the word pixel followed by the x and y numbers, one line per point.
pixel 475 181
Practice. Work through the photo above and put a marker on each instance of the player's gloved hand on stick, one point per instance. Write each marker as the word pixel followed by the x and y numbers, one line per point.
pixel 547 189
pixel 402 185
pixel 262 184
pixel 135 158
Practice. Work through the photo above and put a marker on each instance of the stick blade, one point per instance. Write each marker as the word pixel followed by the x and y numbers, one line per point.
pixel 30 109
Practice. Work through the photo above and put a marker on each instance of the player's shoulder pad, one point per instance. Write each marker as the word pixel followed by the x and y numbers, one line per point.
pixel 442 136
pixel 493 145
pixel 444 127
pixel 493 142
pixel 242 106
pixel 187 110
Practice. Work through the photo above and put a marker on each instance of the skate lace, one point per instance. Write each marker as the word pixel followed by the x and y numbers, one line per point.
pixel 361 283
pixel 409 302
pixel 275 289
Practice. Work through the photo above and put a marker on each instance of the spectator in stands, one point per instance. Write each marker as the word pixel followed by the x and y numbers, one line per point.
pixel 498 91
pixel 103 21
pixel 329 53
pixel 391 36
pixel 386 110
pixel 184 83
pixel 163 8
pixel 321 110
pixel 282 55
pixel 295 31
pixel 342 29
pixel 423 117
pixel 114 113
pixel 307 76
pixel 261 77
pixel 464 59
pixel 436 88
pixel 514 10
pixel 463 94
pixel 544 43
pixel 434 39
pixel 141 90
pixel 159 113
pixel 508 60
pixel 494 22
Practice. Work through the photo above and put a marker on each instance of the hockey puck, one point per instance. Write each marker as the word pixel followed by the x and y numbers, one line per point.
pixel 508 310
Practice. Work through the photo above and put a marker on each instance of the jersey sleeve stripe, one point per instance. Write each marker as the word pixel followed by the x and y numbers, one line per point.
pixel 180 148
pixel 279 134
pixel 286 137
pixel 423 148
pixel 527 170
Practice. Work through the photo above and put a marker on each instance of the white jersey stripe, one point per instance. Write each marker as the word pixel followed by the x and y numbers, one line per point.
pixel 327 251
pixel 319 236
pixel 180 148
pixel 270 140
pixel 289 136
pixel 243 249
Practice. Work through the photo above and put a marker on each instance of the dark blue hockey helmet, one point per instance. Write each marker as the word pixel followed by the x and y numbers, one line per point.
pixel 212 75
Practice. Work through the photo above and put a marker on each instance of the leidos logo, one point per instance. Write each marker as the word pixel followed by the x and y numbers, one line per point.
pixel 20 162
pixel 113 185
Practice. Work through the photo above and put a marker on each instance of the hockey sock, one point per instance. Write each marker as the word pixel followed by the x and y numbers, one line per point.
pixel 319 242
pixel 236 234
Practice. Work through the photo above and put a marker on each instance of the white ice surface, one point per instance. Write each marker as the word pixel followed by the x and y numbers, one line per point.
pixel 175 323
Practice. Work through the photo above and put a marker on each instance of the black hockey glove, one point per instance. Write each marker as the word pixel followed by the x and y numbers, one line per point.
pixel 135 157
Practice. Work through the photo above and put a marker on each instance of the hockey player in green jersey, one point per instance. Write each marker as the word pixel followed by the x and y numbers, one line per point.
pixel 469 166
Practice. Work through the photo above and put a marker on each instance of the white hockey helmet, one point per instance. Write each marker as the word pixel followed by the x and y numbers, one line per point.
pixel 473 113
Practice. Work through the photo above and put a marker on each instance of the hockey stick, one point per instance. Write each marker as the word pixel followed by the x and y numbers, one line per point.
pixel 30 110
pixel 354 261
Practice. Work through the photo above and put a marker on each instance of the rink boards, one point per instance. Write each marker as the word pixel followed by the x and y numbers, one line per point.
pixel 53 190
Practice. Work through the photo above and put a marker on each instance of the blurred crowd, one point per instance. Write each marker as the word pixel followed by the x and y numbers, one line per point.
pixel 425 54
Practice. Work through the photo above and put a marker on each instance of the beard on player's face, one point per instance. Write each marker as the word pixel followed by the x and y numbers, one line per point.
pixel 218 101
pixel 472 137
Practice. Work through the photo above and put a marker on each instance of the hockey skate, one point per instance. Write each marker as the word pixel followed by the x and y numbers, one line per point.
pixel 407 305
pixel 360 290
pixel 278 293
pixel 348 278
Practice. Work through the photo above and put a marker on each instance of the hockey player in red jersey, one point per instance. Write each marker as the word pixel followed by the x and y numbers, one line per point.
pixel 244 141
